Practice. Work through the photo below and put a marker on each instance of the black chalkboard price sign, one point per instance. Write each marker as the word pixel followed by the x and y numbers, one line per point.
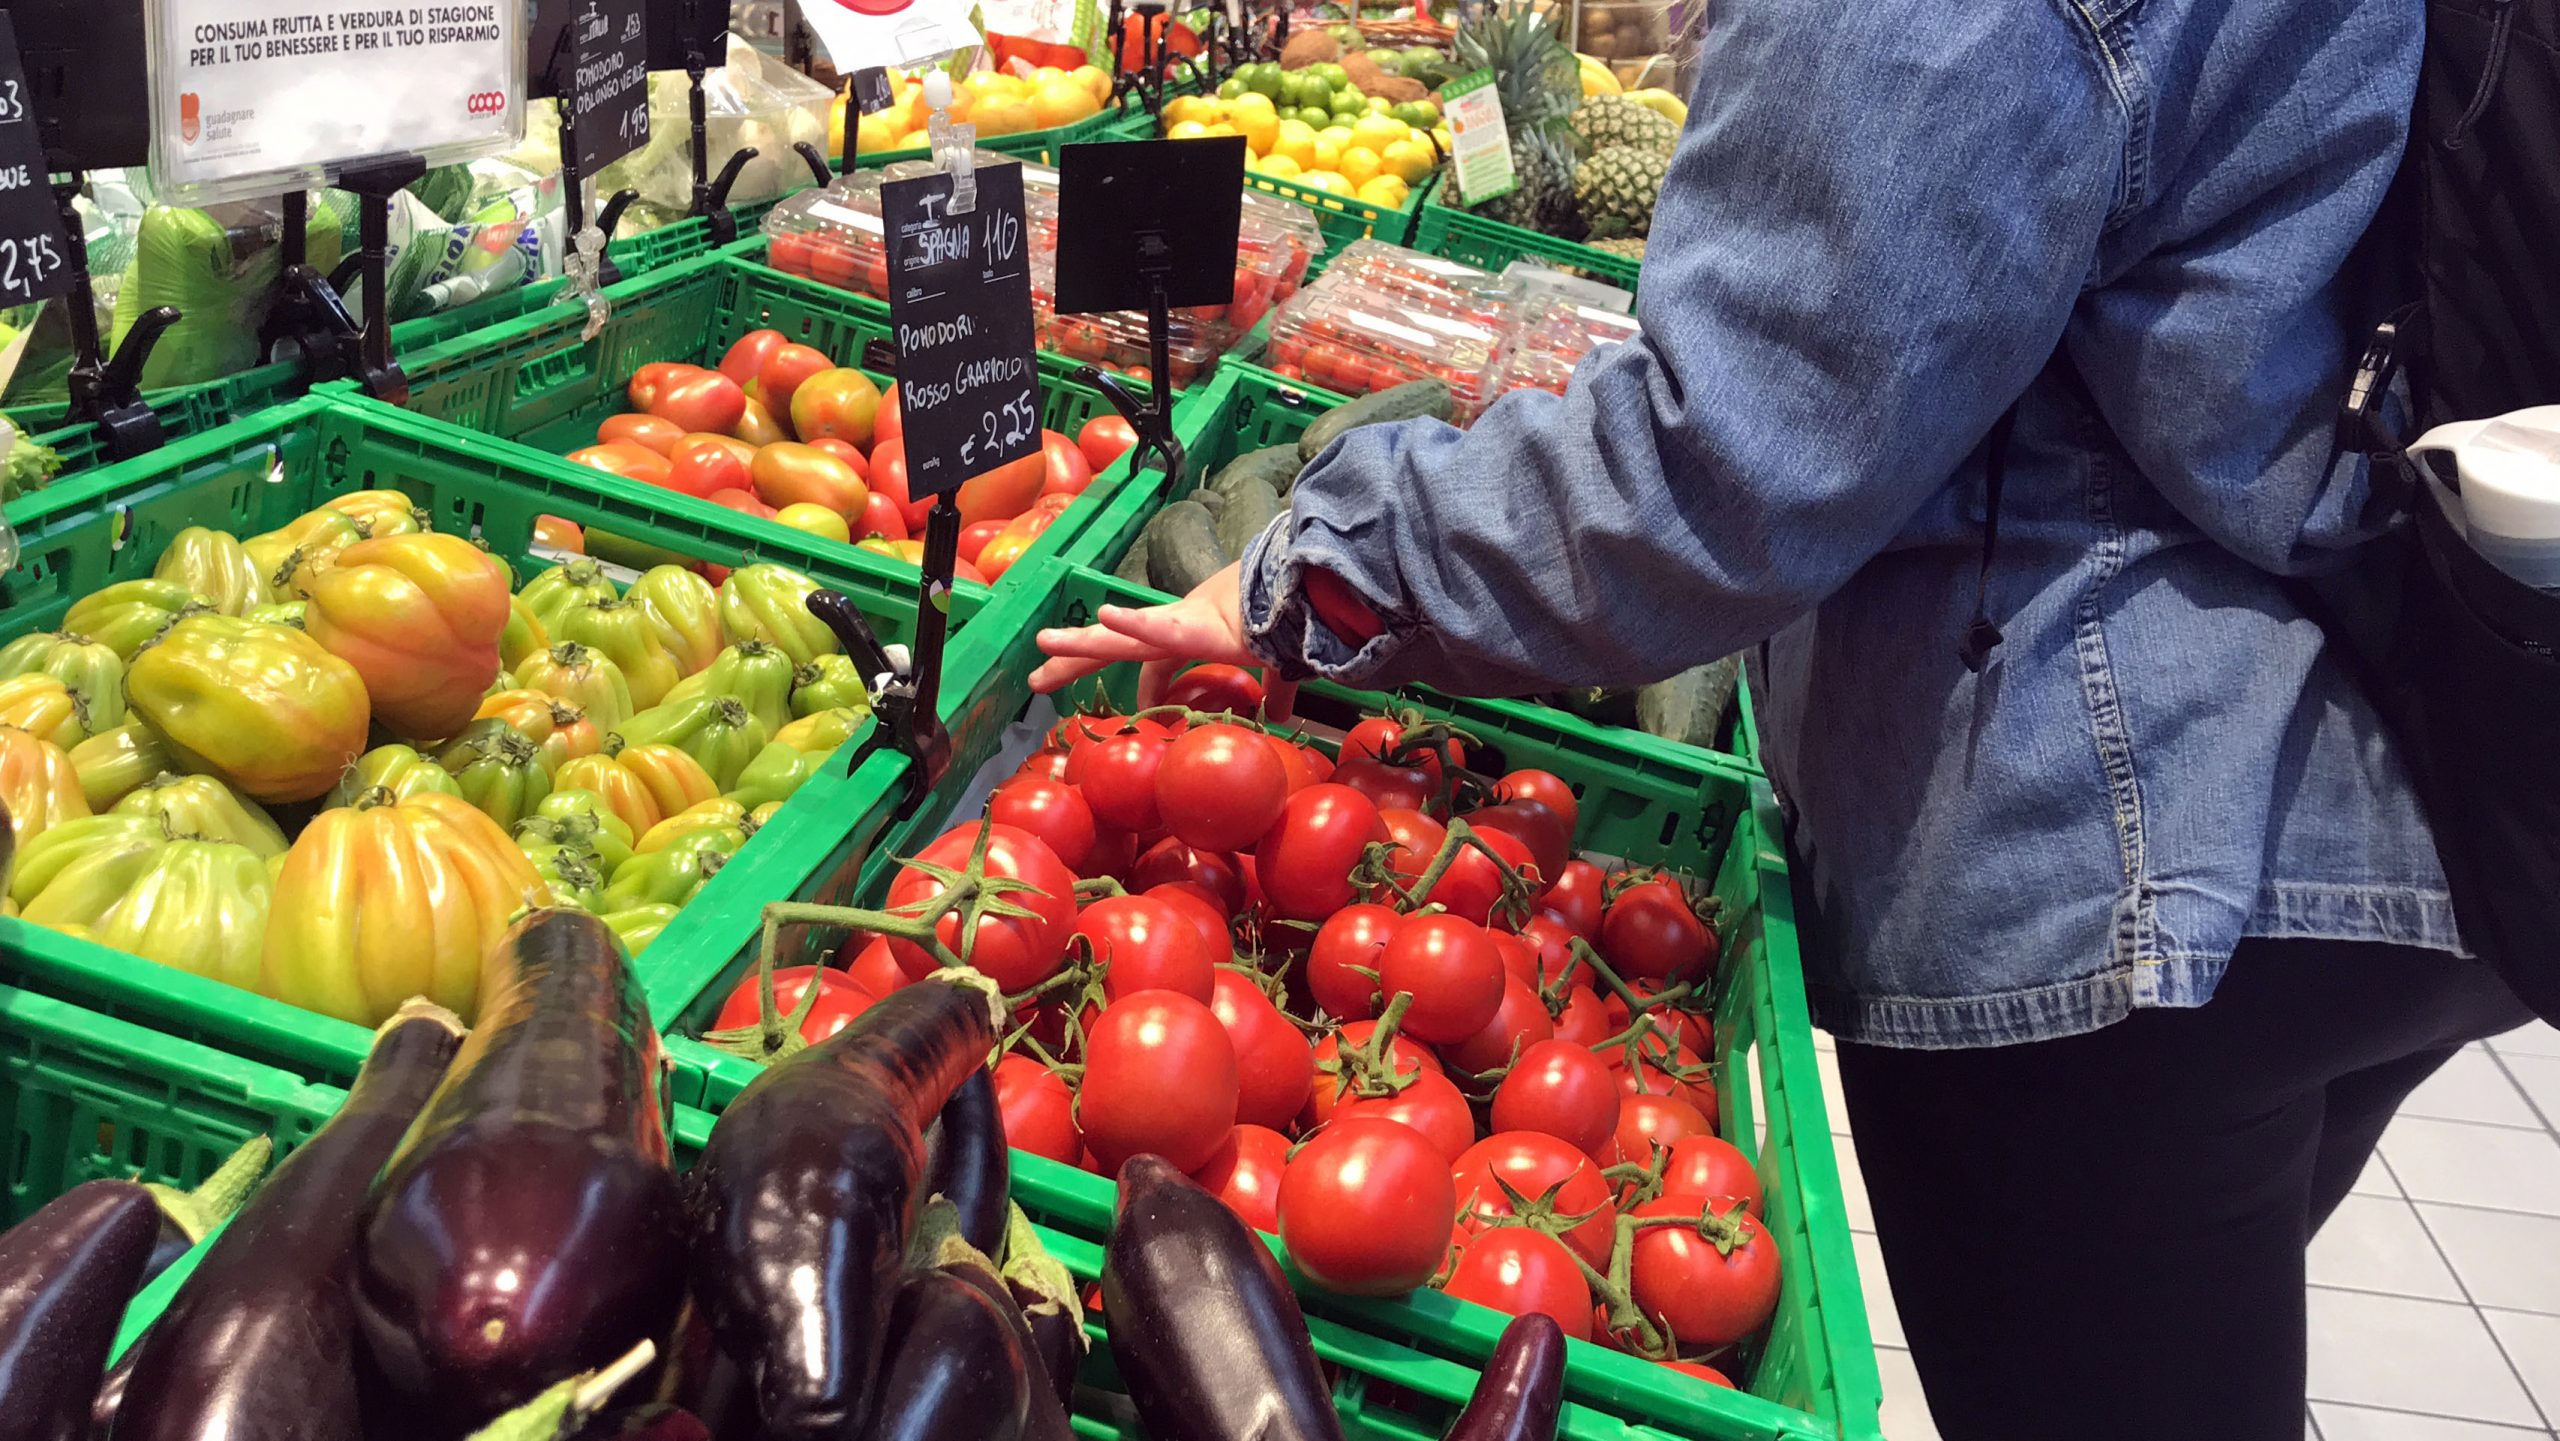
pixel 960 304
pixel 34 253
pixel 608 90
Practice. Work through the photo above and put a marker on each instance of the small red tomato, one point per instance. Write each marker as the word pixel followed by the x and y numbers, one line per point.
pixel 1104 439
pixel 880 517
pixel 839 1001
pixel 785 370
pixel 1711 1166
pixel 1039 1110
pixel 1144 944
pixel 1245 1174
pixel 1645 1122
pixel 1275 1067
pixel 1216 687
pixel 1050 809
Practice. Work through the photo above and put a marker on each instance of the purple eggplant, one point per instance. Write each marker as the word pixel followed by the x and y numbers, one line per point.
pixel 1044 1291
pixel 66 1274
pixel 956 1371
pixel 966 1161
pixel 802 1203
pixel 529 1227
pixel 110 1398
pixel 1202 1324
pixel 1522 1389
pixel 265 1315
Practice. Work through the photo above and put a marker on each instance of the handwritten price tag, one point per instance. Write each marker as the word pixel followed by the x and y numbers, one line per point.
pixel 34 252
pixel 608 91
pixel 960 305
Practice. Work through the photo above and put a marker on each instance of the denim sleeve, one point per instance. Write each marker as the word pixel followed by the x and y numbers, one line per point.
pixel 1874 230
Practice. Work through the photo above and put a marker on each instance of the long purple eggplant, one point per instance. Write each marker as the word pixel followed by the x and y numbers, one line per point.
pixel 529 1227
pixel 652 1421
pixel 802 1203
pixel 265 1316
pixel 939 1243
pixel 66 1275
pixel 1202 1324
pixel 966 1160
pixel 956 1371
pixel 1522 1389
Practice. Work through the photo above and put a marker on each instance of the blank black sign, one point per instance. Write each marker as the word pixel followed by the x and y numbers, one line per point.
pixel 960 305
pixel 1136 215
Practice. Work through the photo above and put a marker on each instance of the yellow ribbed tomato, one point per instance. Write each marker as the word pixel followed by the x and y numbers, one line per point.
pixel 525 636
pixel 621 791
pixel 39 785
pixel 380 513
pixel 378 903
pixel 130 882
pixel 205 809
pixel 43 706
pixel 684 610
pixel 675 781
pixel 419 617
pixel 572 735
pixel 528 712
pixel 570 672
pixel 261 706
pixel 715 814
pixel 623 633
pixel 112 763
pixel 125 616
pixel 215 565
pixel 92 672
pixel 770 603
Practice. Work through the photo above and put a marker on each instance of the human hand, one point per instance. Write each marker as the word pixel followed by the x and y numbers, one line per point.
pixel 1206 625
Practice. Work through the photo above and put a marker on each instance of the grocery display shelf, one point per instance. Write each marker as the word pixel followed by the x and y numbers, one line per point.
pixel 112 524
pixel 1712 816
pixel 1489 244
pixel 191 409
pixel 1248 408
pixel 541 384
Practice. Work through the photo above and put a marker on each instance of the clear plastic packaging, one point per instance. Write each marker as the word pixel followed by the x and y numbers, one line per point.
pixel 832 236
pixel 1275 244
pixel 1551 339
pixel 1355 341
pixel 752 102
pixel 1375 268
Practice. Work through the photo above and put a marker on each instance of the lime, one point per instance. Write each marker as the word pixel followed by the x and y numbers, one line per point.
pixel 1230 88
pixel 1334 76
pixel 1262 79
pixel 1416 113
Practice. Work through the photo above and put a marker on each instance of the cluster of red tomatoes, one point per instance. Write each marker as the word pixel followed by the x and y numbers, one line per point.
pixel 782 432
pixel 1347 998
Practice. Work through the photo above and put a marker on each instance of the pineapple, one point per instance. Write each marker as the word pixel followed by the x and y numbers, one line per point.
pixel 1607 121
pixel 1539 83
pixel 1617 189
pixel 1628 247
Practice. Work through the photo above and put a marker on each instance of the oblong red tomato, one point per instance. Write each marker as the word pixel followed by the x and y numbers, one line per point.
pixel 789 473
pixel 889 477
pixel 757 425
pixel 881 517
pixel 844 451
pixel 888 424
pixel 742 501
pixel 974 538
pixel 703 400
pixel 1004 492
pixel 1104 439
pixel 785 369
pixel 652 380
pixel 746 358
pixel 623 458
pixel 1068 472
pixel 647 431
pixel 706 470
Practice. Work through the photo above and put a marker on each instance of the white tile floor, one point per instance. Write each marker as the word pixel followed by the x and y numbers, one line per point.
pixel 2435 1291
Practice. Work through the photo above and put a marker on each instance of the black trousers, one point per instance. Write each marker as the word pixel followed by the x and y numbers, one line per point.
pixel 2103 1236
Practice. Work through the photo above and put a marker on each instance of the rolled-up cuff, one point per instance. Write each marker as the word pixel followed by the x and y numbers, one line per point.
pixel 1282 628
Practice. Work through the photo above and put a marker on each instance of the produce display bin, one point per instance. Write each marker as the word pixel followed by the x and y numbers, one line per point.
pixel 112 524
pixel 1344 219
pixel 1040 146
pixel 89 1096
pixel 1712 816
pixel 1249 408
pixel 541 382
pixel 1491 244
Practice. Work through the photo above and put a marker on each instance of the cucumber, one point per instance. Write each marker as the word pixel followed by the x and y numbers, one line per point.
pixel 1689 707
pixel 1133 566
pixel 1251 508
pixel 1273 465
pixel 1409 401
pixel 1185 549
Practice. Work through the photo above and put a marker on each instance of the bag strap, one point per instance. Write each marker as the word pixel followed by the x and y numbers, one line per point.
pixel 1981 637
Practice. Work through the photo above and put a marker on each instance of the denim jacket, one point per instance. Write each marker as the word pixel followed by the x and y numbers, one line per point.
pixel 1885 224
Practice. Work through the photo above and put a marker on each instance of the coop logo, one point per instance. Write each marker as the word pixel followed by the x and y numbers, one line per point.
pixel 190 116
pixel 486 102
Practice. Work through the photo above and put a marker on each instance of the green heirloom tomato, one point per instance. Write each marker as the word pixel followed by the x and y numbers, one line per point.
pixel 777 771
pixel 771 603
pixel 637 926
pixel 499 771
pixel 399 769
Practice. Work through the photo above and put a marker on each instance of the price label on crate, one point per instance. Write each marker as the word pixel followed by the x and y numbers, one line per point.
pixel 34 253
pixel 609 81
pixel 960 305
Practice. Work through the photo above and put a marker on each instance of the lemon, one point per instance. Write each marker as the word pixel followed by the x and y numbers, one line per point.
pixel 1409 159
pixel 1295 142
pixel 1096 82
pixel 913 140
pixel 1188 107
pixel 1374 133
pixel 1223 128
pixel 1359 166
pixel 1325 180
pixel 981 82
pixel 1258 127
pixel 1059 102
pixel 1185 130
pixel 1253 102
pixel 1002 115
pixel 1278 167
pixel 1442 134
pixel 874 133
pixel 1384 190
pixel 1326 152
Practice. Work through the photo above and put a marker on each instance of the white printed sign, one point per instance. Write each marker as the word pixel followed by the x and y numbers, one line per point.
pixel 863 33
pixel 254 97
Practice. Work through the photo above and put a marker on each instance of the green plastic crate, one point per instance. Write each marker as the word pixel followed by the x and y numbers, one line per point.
pixel 541 382
pixel 1490 244
pixel 112 524
pixel 1708 814
pixel 1038 146
pixel 1249 408
pixel 89 1096
pixel 184 410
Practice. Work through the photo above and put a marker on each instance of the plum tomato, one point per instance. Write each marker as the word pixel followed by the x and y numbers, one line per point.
pixel 1065 470
pixel 1519 1271
pixel 1450 968
pixel 647 431
pixel 1219 787
pixel 1245 1174
pixel 1275 1067
pixel 1365 1207
pixel 1144 944
pixel 744 360
pixel 1050 809
pixel 704 400
pixel 1305 858
pixel 1561 1089
pixel 1532 1164
pixel 1017 952
pixel 1159 1076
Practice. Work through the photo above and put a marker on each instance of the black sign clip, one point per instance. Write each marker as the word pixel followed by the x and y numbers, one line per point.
pixel 107 392
pixel 905 694
pixel 310 310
